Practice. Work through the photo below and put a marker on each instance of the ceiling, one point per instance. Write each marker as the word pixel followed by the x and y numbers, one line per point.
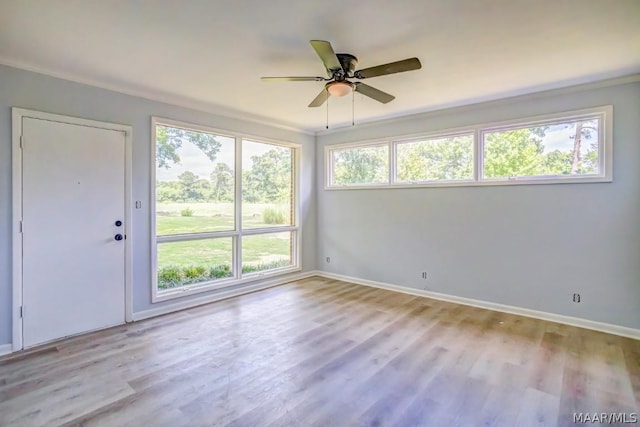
pixel 210 54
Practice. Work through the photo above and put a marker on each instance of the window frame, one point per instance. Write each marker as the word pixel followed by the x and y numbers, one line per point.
pixel 238 232
pixel 329 162
pixel 605 152
pixel 424 138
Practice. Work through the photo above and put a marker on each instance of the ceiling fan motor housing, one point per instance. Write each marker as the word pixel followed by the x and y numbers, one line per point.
pixel 349 64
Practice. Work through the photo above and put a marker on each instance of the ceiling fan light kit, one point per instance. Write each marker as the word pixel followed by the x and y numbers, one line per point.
pixel 342 66
pixel 339 88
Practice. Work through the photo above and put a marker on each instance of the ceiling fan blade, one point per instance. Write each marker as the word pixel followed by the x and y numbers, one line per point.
pixel 292 79
pixel 327 54
pixel 320 99
pixel 390 68
pixel 373 93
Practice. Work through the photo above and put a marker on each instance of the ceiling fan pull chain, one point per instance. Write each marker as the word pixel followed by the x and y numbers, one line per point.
pixel 328 110
pixel 353 108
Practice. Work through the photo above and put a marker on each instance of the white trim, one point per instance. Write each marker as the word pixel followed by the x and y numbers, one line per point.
pixel 430 114
pixel 604 114
pixel 128 224
pixel 238 232
pixel 230 293
pixel 520 311
pixel 169 99
pixel 6 349
pixel 214 284
pixel 377 143
pixel 237 209
pixel 16 236
pixel 153 234
pixel 225 112
pixel 17 114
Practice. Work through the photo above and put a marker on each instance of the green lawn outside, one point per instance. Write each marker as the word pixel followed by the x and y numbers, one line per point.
pixel 185 262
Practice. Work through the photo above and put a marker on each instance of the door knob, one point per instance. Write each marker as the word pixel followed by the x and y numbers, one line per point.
pixel 118 223
pixel 118 237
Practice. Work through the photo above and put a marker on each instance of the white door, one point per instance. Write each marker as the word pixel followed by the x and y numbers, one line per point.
pixel 73 272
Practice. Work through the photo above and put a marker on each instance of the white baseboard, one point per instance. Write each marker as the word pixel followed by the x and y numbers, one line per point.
pixel 6 349
pixel 552 317
pixel 193 302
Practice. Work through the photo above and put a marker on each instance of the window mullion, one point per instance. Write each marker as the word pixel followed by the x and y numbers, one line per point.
pixel 478 155
pixel 194 236
pixel 237 249
pixel 392 163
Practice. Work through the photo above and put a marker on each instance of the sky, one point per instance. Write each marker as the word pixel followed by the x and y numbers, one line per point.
pixel 192 159
pixel 559 137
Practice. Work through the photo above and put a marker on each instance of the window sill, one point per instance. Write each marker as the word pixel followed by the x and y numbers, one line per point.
pixel 483 183
pixel 198 288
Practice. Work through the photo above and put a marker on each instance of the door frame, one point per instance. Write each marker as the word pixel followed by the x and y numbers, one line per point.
pixel 17 114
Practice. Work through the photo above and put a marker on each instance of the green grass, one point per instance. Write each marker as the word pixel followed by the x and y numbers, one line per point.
pixel 194 261
pixel 210 217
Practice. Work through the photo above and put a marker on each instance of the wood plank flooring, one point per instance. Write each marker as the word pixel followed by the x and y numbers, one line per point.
pixel 321 352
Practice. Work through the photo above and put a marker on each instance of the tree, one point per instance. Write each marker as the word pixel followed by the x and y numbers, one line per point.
pixel 442 159
pixel 584 131
pixel 168 191
pixel 361 165
pixel 576 160
pixel 557 162
pixel 269 179
pixel 590 160
pixel 187 181
pixel 170 139
pixel 515 152
pixel 222 183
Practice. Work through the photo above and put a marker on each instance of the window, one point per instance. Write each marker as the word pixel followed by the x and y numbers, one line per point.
pixel 567 147
pixel 545 150
pixel 360 165
pixel 267 185
pixel 225 209
pixel 447 158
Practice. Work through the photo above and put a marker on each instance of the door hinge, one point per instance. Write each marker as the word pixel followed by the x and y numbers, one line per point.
pixel 22 311
pixel 21 226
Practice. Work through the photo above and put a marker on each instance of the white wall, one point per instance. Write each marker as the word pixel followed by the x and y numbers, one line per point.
pixel 38 92
pixel 529 246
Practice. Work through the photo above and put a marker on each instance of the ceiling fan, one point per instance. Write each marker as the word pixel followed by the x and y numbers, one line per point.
pixel 342 66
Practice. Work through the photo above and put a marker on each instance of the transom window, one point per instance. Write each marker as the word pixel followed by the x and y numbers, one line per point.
pixel 567 147
pixel 448 158
pixel 225 208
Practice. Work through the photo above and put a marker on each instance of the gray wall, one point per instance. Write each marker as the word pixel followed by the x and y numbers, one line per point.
pixel 529 246
pixel 38 92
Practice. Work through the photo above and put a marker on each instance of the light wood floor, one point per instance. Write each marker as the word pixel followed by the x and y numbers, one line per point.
pixel 324 353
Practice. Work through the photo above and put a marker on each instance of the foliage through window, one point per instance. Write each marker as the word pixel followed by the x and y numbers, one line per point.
pixel 436 159
pixel 219 218
pixel 361 165
pixel 568 147
pixel 267 182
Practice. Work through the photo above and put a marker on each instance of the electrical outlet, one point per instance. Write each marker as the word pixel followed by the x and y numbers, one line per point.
pixel 424 275
pixel 328 259
pixel 576 297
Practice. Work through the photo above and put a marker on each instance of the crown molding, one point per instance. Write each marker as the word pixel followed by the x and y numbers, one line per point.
pixel 225 112
pixel 156 96
pixel 488 101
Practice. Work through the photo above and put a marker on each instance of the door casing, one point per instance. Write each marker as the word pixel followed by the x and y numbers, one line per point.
pixel 17 301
